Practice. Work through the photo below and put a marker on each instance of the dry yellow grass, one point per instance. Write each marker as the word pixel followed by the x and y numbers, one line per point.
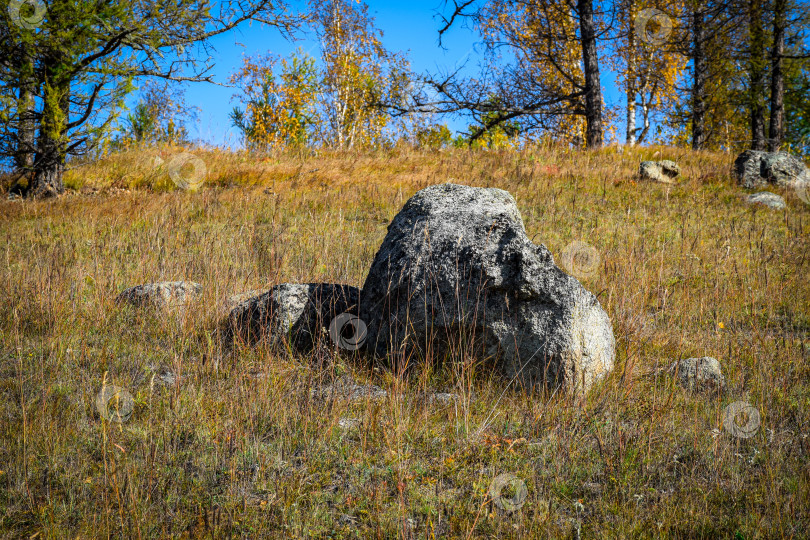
pixel 234 446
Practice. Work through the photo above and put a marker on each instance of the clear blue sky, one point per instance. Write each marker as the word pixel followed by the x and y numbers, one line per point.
pixel 407 26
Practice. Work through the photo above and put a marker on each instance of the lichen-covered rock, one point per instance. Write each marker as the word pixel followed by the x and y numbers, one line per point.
pixel 766 198
pixel 293 313
pixel 755 168
pixel 161 295
pixel 659 171
pixel 456 270
pixel 700 374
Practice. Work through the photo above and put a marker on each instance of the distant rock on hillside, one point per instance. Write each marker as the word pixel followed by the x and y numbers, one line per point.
pixel 457 273
pixel 165 295
pixel 755 168
pixel 659 171
pixel 766 198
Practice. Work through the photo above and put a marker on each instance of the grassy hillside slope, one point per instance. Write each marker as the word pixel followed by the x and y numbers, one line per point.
pixel 235 445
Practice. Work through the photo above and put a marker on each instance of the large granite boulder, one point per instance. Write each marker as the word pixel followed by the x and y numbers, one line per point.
pixel 659 171
pixel 456 270
pixel 755 168
pixel 163 295
pixel 300 315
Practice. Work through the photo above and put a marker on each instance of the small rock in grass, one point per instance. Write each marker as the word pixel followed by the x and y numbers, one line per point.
pixel 659 171
pixel 162 295
pixel 437 398
pixel 162 375
pixel 348 423
pixel 700 374
pixel 346 388
pixel 442 398
pixel 766 198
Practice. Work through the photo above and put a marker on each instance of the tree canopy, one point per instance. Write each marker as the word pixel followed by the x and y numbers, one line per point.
pixel 67 66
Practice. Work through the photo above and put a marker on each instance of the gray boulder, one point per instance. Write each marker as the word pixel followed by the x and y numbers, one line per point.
pixel 300 315
pixel 164 295
pixel 659 171
pixel 766 198
pixel 456 267
pixel 234 300
pixel 755 168
pixel 700 374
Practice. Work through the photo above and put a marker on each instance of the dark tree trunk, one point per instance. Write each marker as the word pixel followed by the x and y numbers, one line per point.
pixel 777 129
pixel 593 86
pixel 24 159
pixel 49 164
pixel 49 167
pixel 48 180
pixel 699 65
pixel 756 73
pixel 24 155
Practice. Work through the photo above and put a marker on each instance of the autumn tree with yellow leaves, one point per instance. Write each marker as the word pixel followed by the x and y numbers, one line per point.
pixel 358 73
pixel 336 103
pixel 647 64
pixel 541 67
pixel 544 36
pixel 64 77
pixel 280 110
